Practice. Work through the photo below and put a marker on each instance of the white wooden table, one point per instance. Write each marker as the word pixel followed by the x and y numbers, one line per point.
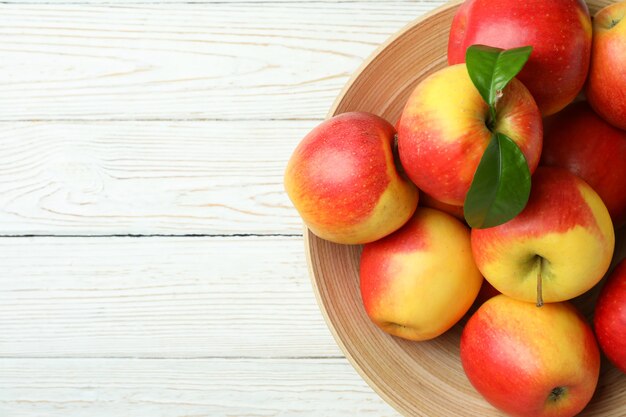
pixel 151 264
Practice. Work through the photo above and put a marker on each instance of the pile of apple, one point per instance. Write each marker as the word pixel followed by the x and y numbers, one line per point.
pixel 354 179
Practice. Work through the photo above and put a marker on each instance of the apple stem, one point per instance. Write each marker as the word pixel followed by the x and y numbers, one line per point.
pixel 539 287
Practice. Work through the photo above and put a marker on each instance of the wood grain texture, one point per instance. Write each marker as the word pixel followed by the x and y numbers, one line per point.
pixel 201 61
pixel 186 2
pixel 147 178
pixel 172 92
pixel 159 298
pixel 184 388
pixel 169 117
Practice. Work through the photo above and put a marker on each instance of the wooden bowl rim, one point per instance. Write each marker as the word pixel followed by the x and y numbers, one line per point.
pixel 309 236
pixel 409 26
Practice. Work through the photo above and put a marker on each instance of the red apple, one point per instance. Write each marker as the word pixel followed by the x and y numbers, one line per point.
pixel 580 141
pixel 559 32
pixel 531 361
pixel 444 131
pixel 610 317
pixel 557 248
pixel 343 181
pixel 409 285
pixel 606 87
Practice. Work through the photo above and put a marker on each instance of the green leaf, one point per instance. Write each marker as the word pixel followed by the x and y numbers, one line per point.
pixel 491 69
pixel 501 185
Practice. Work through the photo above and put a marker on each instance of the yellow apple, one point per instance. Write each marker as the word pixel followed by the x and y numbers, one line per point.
pixel 557 248
pixel 419 281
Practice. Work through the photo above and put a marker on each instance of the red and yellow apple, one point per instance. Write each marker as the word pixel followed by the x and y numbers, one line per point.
pixel 557 248
pixel 419 281
pixel 342 179
pixel 559 32
pixel 610 317
pixel 529 361
pixel 445 128
pixel 606 87
pixel 580 141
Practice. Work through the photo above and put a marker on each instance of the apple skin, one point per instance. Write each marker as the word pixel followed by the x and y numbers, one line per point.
pixel 610 317
pixel 606 86
pixel 343 180
pixel 409 286
pixel 559 32
pixel 515 354
pixel 564 234
pixel 442 133
pixel 580 141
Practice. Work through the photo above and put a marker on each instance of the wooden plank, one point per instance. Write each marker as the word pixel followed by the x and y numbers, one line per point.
pixel 184 388
pixel 159 297
pixel 199 61
pixel 147 178
pixel 185 2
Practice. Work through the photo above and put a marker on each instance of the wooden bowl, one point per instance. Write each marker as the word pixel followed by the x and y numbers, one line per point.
pixel 416 378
